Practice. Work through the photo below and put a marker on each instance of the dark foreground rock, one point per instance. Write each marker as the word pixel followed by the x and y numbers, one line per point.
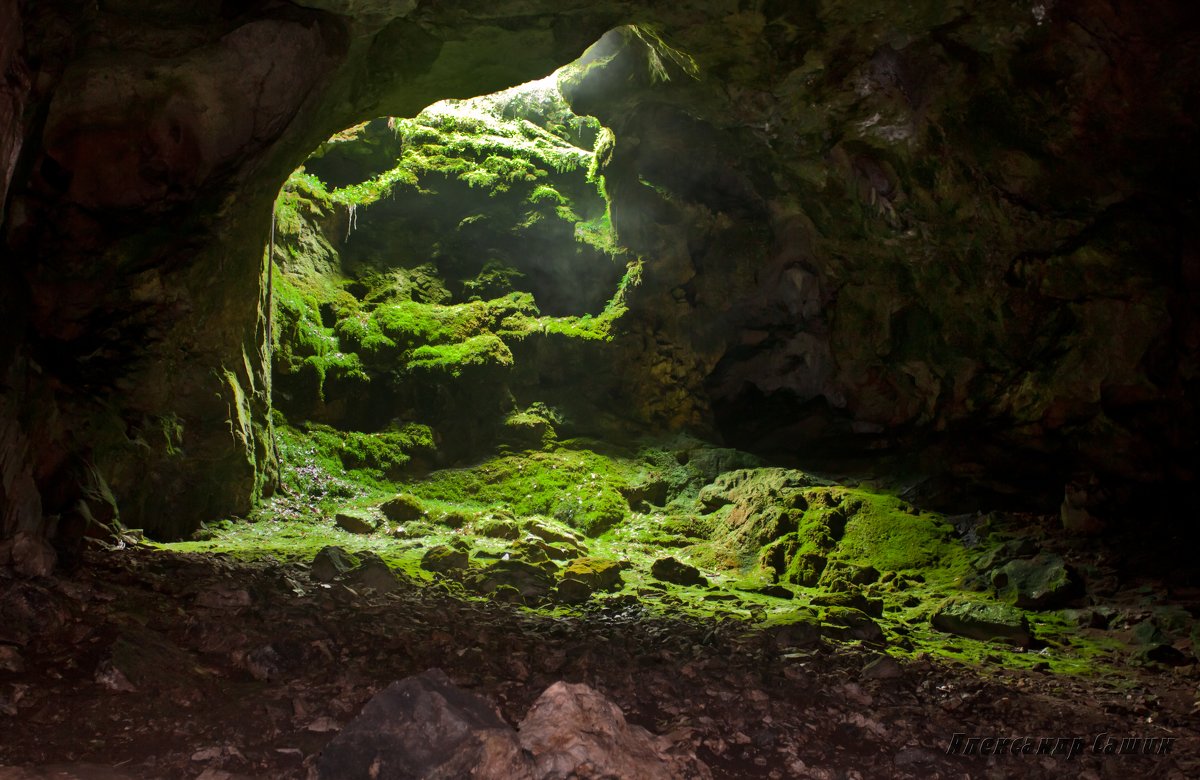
pixel 424 727
pixel 573 731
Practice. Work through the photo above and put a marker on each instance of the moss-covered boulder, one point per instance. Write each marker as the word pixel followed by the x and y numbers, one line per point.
pixel 355 521
pixel 402 508
pixel 571 590
pixel 984 621
pixel 669 569
pixel 443 559
pixel 1044 581
pixel 599 573
pixel 533 583
pixel 851 623
pixel 794 629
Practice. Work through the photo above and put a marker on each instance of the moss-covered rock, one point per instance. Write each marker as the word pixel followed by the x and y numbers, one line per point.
pixel 1041 582
pixel 598 573
pixel 444 558
pixel 531 582
pixel 672 570
pixel 984 621
pixel 402 507
pixel 355 521
pixel 573 591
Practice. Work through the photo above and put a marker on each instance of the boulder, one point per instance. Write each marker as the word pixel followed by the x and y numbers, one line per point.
pixel 1041 582
pixel 548 533
pixel 573 591
pixel 402 508
pixel 573 731
pixel 1161 653
pixel 444 558
pixel 801 628
pixel 498 529
pixel 354 521
pixel 330 563
pixel 532 582
pixel 372 573
pixel 599 573
pixel 671 570
pixel 850 623
pixel 425 727
pixel 882 667
pixel 977 620
pixel 1003 553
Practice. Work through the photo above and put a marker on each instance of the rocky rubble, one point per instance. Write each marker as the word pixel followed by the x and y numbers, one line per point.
pixel 200 666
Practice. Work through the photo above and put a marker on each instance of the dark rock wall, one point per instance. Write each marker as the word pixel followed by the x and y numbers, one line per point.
pixel 890 219
pixel 935 224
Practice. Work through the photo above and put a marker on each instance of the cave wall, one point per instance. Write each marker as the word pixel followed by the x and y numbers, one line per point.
pixel 969 227
pixel 150 139
pixel 940 217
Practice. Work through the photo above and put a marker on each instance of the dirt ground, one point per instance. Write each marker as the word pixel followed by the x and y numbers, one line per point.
pixel 147 664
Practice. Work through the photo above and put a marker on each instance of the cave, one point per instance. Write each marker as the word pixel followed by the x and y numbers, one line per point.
pixel 705 389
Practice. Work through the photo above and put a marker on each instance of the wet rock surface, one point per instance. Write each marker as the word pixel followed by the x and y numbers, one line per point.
pixel 265 690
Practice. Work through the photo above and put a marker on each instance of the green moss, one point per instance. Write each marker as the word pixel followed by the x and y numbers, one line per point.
pixel 361 333
pixel 302 194
pixel 327 465
pixel 484 350
pixel 544 192
pixel 572 485
pixel 297 322
pixel 410 324
pixel 888 534
pixel 478 509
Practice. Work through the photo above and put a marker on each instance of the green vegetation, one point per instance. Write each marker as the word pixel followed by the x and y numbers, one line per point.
pixel 886 567
pixel 485 143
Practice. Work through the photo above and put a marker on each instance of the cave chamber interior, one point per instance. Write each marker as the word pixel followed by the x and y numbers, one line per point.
pixel 840 358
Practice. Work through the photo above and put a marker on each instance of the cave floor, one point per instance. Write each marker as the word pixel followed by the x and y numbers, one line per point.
pixel 147 663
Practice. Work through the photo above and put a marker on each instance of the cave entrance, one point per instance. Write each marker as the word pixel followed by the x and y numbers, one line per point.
pixel 439 271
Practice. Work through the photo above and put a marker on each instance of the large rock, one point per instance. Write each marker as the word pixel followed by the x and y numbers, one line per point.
pixel 1041 582
pixel 599 573
pixel 355 522
pixel 978 620
pixel 425 728
pixel 402 507
pixel 443 558
pixel 374 573
pixel 330 563
pixel 671 570
pixel 532 583
pixel 573 731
